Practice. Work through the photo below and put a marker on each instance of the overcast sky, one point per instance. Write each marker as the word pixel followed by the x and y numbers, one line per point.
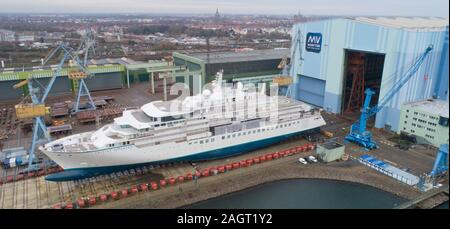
pixel 317 7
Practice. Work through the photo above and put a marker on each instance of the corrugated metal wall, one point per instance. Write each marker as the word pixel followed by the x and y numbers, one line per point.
pixel 8 93
pixel 61 85
pixel 311 90
pixel 104 81
pixel 401 48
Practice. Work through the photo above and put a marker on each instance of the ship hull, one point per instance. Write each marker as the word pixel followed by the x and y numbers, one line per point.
pixel 81 173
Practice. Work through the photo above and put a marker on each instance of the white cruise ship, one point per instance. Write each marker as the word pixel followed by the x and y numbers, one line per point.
pixel 219 122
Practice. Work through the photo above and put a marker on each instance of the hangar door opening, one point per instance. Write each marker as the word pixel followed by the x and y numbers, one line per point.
pixel 362 70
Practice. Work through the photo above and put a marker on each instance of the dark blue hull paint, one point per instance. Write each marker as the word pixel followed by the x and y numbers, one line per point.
pixel 75 174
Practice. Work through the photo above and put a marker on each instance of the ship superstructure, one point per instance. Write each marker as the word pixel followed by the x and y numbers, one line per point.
pixel 219 122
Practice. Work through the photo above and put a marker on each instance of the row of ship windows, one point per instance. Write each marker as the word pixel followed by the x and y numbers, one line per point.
pixel 119 144
pixel 245 133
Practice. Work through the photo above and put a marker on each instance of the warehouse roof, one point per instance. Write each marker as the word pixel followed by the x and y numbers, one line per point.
pixel 98 62
pixel 254 55
pixel 413 23
pixel 434 106
pixel 122 61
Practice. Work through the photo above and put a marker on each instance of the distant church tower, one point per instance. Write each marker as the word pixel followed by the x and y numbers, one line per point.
pixel 217 15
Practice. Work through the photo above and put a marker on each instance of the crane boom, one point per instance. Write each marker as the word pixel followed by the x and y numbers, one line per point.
pixel 358 133
pixel 399 84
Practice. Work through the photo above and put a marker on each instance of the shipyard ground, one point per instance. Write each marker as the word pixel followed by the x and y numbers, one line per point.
pixel 36 192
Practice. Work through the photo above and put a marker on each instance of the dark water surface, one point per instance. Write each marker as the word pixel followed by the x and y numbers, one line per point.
pixel 305 193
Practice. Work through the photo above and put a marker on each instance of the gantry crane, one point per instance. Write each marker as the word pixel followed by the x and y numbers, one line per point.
pixel 358 133
pixel 87 43
pixel 37 109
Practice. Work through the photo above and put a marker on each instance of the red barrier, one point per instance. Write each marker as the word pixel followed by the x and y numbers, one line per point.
pixel 92 200
pixel 114 195
pixel 103 197
pixel 181 179
pixel 172 181
pixel 162 183
pixel 275 155
pixel 154 185
pixel 144 187
pixel 221 169
pixel 263 158
pixel 81 203
pixel 124 193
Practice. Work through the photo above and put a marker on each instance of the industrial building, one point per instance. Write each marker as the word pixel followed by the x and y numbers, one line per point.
pixel 330 151
pixel 334 60
pixel 7 35
pixel 427 120
pixel 251 66
pixel 108 74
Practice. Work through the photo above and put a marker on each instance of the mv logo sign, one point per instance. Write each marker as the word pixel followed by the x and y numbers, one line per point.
pixel 313 42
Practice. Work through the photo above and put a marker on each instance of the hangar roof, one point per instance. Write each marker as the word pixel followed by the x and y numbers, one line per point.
pixel 413 23
pixel 254 55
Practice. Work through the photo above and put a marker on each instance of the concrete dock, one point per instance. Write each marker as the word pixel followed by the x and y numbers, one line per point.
pixel 36 192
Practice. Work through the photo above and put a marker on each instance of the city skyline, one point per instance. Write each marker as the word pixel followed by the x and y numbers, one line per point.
pixel 435 8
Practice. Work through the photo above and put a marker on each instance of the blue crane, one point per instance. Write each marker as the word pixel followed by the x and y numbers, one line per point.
pixel 87 43
pixel 441 163
pixel 358 133
pixel 40 133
